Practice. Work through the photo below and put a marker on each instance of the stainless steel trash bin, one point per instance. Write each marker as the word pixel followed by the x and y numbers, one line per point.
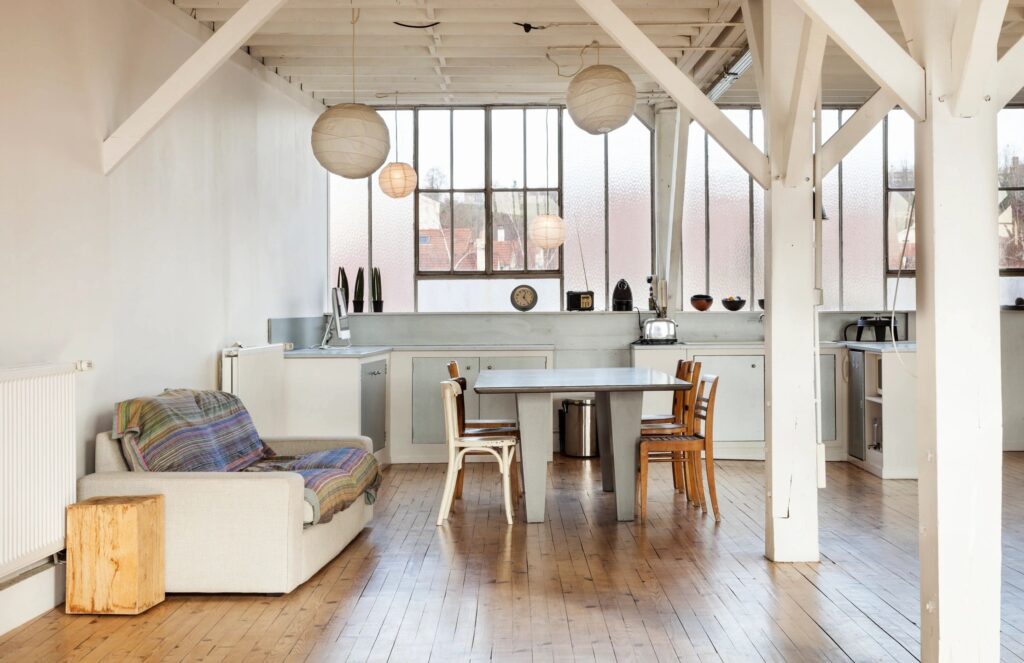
pixel 580 439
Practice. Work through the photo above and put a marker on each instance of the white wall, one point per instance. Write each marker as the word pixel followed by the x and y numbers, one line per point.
pixel 216 223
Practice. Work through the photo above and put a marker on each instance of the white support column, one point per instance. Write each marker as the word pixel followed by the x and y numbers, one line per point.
pixel 959 401
pixel 671 136
pixel 675 214
pixel 791 522
pixel 214 52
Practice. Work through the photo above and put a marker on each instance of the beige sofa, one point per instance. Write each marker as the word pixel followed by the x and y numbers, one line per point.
pixel 246 532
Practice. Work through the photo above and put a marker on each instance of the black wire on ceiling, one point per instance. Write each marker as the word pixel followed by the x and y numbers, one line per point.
pixel 416 27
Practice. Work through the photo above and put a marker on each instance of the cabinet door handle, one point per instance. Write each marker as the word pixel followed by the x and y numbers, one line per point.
pixel 490 367
pixel 376 372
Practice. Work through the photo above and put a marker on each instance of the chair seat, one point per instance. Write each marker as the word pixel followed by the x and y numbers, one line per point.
pixel 479 441
pixel 657 419
pixel 672 428
pixel 505 431
pixel 491 423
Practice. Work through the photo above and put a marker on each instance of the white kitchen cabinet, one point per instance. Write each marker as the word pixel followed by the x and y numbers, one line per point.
pixel 503 406
pixel 883 412
pixel 739 409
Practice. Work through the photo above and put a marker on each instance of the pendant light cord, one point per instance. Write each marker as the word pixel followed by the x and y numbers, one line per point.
pixel 547 162
pixel 355 17
pixel 398 156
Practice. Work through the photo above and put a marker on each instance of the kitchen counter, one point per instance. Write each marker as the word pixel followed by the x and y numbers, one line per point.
pixel 886 346
pixel 361 351
pixel 723 344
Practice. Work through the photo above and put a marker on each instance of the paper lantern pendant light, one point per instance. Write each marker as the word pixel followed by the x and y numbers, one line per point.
pixel 397 179
pixel 601 98
pixel 351 140
pixel 547 231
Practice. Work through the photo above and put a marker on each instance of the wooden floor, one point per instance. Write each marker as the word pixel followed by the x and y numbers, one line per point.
pixel 579 587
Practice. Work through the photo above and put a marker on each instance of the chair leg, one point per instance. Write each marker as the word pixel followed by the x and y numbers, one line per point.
pixel 642 481
pixel 514 477
pixel 449 490
pixel 459 481
pixel 699 478
pixel 691 479
pixel 678 481
pixel 507 454
pixel 710 461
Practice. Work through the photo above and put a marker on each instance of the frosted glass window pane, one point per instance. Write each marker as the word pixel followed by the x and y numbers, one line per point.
pixel 905 297
pixel 470 232
pixel 901 150
pixel 694 220
pixel 629 207
pixel 1010 288
pixel 862 225
pixel 537 175
pixel 507 148
pixel 435 232
pixel 509 227
pixel 729 214
pixel 468 149
pixel 484 295
pixel 584 211
pixel 401 141
pixel 758 138
pixel 537 203
pixel 393 246
pixel 1010 132
pixel 901 231
pixel 830 263
pixel 348 227
pixel 435 150
pixel 1011 230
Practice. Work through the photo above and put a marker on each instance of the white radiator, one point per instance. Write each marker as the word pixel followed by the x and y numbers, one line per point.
pixel 37 461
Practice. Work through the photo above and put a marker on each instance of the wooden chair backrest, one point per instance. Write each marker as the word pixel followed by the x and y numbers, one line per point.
pixel 460 404
pixel 690 395
pixel 704 407
pixel 453 369
pixel 451 394
pixel 682 401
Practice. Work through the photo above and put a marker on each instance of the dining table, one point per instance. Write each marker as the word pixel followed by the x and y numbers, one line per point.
pixel 619 400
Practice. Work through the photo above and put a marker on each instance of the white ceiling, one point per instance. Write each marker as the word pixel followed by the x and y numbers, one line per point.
pixel 477 55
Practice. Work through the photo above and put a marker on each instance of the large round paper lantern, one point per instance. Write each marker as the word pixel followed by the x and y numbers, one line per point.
pixel 601 98
pixel 351 140
pixel 397 179
pixel 547 231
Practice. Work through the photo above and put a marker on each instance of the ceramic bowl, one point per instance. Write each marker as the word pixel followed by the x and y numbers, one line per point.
pixel 734 304
pixel 702 302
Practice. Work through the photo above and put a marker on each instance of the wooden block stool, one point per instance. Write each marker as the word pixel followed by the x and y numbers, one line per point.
pixel 115 555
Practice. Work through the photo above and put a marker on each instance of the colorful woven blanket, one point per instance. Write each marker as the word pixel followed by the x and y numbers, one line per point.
pixel 183 430
pixel 334 478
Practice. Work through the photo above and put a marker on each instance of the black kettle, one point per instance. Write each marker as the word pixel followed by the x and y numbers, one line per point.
pixel 622 297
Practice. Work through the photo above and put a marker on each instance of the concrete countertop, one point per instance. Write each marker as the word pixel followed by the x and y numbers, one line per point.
pixel 722 344
pixel 360 351
pixel 886 346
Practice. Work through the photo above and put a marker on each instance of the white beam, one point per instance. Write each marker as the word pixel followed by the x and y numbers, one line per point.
pixel 905 15
pixel 855 129
pixel 975 36
pixel 1010 74
pixel 958 293
pixel 679 86
pixel 674 254
pixel 753 21
pixel 796 144
pixel 214 52
pixel 871 47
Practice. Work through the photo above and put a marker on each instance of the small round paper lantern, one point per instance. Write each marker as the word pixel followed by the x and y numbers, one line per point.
pixel 601 98
pixel 397 179
pixel 351 140
pixel 547 231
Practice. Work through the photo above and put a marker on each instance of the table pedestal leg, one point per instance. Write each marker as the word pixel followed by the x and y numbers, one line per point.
pixel 604 440
pixel 624 412
pixel 535 429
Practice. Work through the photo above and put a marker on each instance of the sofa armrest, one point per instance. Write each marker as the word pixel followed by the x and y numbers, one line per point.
pixel 224 531
pixel 297 446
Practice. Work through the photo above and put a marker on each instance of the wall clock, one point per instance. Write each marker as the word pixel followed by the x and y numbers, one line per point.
pixel 524 297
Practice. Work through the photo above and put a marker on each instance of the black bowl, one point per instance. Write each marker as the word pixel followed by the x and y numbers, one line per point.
pixel 760 303
pixel 734 304
pixel 702 302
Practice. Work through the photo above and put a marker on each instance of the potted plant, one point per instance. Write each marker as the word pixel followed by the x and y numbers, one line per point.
pixel 375 291
pixel 342 284
pixel 357 294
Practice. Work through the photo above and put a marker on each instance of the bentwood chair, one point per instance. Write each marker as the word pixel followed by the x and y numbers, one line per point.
pixel 503 448
pixel 477 427
pixel 680 422
pixel 666 448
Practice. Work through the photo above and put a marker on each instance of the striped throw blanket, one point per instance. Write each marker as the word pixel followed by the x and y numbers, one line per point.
pixel 183 430
pixel 334 478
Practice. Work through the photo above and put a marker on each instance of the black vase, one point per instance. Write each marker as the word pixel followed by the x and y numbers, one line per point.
pixel 357 306
pixel 378 305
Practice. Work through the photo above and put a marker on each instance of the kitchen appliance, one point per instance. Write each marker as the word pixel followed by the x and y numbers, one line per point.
pixel 622 297
pixel 579 300
pixel 878 324
pixel 658 331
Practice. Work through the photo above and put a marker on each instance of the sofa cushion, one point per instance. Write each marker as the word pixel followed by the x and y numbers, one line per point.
pixel 334 478
pixel 184 430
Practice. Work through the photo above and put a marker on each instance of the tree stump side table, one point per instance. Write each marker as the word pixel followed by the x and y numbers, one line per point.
pixel 115 563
